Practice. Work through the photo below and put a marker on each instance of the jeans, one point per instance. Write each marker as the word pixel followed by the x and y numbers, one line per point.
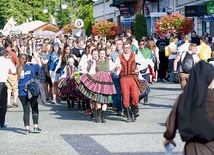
pixel 117 99
pixel 26 104
pixel 3 102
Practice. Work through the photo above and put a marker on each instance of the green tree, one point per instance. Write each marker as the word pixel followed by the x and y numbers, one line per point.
pixel 14 8
pixel 140 27
pixel 21 10
pixel 84 11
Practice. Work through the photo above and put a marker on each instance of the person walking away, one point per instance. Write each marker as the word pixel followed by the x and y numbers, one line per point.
pixel 25 73
pixel 172 48
pixel 184 73
pixel 203 49
pixel 5 66
pixel 193 112
pixel 161 44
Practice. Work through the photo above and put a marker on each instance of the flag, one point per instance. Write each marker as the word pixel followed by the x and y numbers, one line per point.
pixel 53 20
pixel 8 27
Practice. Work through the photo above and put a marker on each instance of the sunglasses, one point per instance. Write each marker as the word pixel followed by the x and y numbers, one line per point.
pixel 141 44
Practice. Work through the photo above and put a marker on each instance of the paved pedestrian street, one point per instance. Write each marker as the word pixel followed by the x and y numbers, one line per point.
pixel 71 132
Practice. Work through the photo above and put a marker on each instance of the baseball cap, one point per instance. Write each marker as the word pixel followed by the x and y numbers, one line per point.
pixel 56 44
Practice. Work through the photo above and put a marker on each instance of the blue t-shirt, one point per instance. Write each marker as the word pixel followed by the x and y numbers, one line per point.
pixel 53 61
pixel 27 73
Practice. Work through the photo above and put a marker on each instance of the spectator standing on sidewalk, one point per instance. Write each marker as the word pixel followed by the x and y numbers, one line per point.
pixel 12 83
pixel 194 38
pixel 173 52
pixel 5 66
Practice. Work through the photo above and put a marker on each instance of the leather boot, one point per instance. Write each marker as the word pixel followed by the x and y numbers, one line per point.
pixel 133 113
pixel 137 112
pixel 103 116
pixel 68 103
pixel 79 105
pixel 128 115
pixel 93 113
pixel 83 105
pixel 97 119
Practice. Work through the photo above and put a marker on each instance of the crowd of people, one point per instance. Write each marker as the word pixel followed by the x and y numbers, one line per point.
pixel 93 72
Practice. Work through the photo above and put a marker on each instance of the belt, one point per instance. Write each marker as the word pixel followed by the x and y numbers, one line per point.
pixel 125 76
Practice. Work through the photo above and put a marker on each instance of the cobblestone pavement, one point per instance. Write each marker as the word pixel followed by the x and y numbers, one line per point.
pixel 71 132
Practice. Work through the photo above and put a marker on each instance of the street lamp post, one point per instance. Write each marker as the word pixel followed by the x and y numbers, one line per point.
pixel 71 10
pixel 63 5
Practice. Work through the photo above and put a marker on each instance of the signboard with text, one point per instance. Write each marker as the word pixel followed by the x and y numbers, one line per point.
pixel 197 10
pixel 209 18
pixel 157 14
pixel 124 19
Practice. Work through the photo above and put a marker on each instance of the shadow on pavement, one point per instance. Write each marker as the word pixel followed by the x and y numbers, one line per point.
pixel 16 130
pixel 61 111
pixel 154 105
pixel 167 89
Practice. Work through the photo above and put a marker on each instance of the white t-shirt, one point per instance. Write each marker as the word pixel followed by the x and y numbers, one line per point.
pixel 83 63
pixel 184 47
pixel 6 65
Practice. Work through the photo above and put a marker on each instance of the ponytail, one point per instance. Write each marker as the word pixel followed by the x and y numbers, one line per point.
pixel 22 62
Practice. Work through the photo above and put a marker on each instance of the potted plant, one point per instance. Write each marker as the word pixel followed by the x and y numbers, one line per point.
pixel 104 28
pixel 174 23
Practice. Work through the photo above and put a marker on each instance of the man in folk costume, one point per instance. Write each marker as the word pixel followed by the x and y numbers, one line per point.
pixel 130 85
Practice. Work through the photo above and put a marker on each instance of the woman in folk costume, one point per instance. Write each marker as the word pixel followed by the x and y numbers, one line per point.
pixel 83 70
pixel 98 86
pixel 144 72
pixel 95 57
pixel 66 87
pixel 193 112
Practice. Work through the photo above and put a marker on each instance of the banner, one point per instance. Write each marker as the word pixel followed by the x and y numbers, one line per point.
pixel 8 27
pixel 53 20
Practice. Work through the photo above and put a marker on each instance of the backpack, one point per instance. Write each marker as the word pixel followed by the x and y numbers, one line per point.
pixel 187 63
pixel 33 88
pixel 167 52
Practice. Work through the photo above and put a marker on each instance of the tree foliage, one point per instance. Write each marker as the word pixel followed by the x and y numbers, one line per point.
pixel 21 10
pixel 140 27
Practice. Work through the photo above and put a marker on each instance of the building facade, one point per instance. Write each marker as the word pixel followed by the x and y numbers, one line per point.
pixel 122 12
